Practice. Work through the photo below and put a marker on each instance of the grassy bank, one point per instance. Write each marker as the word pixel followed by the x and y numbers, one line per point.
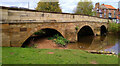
pixel 119 59
pixel 53 56
pixel 114 27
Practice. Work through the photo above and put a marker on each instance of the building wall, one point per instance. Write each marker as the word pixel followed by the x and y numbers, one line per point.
pixel 105 11
pixel 118 14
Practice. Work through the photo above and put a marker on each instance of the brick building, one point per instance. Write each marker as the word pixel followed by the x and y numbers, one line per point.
pixel 106 11
pixel 118 13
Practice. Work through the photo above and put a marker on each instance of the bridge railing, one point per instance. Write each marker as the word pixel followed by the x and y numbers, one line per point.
pixel 15 15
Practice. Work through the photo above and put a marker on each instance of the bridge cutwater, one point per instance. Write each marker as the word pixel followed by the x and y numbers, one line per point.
pixel 18 24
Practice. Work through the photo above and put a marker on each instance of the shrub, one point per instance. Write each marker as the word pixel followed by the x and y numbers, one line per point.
pixel 56 36
pixel 39 32
pixel 113 27
pixel 76 27
pixel 66 41
pixel 59 39
pixel 51 38
pixel 119 27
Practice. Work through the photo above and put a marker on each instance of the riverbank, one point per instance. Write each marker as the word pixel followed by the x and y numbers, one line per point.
pixel 15 55
pixel 114 28
pixel 47 44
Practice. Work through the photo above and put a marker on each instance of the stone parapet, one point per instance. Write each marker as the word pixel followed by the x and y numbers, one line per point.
pixel 18 15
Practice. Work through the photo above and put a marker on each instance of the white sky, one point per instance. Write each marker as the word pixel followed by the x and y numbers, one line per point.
pixel 66 5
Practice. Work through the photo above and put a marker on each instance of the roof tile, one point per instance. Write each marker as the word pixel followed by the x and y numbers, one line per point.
pixel 109 7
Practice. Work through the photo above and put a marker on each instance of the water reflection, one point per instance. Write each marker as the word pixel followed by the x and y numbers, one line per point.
pixel 106 43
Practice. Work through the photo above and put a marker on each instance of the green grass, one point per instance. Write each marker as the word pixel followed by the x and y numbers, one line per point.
pixel 0 56
pixel 119 59
pixel 13 55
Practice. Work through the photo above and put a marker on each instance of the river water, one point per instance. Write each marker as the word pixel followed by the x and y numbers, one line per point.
pixel 100 43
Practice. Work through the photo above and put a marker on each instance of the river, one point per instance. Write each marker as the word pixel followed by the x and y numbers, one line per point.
pixel 99 43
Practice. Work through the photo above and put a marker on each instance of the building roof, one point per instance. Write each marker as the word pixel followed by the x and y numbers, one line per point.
pixel 109 7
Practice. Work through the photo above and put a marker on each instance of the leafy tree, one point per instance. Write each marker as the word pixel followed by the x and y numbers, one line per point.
pixel 84 7
pixel 48 6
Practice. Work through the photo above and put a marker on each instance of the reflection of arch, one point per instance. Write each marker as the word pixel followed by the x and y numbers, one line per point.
pixel 103 30
pixel 48 30
pixel 85 31
pixel 85 41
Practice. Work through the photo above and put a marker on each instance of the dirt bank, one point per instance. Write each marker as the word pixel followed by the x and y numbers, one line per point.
pixel 47 44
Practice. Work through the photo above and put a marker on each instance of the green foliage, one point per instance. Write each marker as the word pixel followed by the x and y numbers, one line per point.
pixel 51 38
pixel 39 32
pixel 76 27
pixel 119 27
pixel 59 39
pixel 114 27
pixel 84 7
pixel 56 36
pixel 63 39
pixel 48 6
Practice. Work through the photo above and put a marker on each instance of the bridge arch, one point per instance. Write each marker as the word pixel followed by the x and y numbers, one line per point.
pixel 48 30
pixel 103 30
pixel 88 26
pixel 85 31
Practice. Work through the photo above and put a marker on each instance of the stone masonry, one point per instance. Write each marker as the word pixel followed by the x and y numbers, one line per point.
pixel 19 24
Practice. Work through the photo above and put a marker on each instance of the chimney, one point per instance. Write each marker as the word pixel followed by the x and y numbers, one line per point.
pixel 97 5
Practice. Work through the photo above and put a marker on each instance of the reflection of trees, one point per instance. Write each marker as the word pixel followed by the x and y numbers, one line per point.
pixel 102 42
pixel 94 43
pixel 84 42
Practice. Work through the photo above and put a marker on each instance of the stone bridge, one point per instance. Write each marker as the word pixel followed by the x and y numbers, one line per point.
pixel 18 25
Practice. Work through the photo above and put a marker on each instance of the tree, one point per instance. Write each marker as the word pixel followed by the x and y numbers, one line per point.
pixel 48 6
pixel 84 7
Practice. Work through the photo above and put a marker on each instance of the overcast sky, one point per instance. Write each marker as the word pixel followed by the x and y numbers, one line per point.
pixel 66 5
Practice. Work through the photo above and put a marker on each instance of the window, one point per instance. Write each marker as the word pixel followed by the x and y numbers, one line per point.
pixel 97 9
pixel 109 15
pixel 104 15
pixel 100 15
pixel 114 11
pixel 105 10
pixel 114 14
pixel 109 11
pixel 100 10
